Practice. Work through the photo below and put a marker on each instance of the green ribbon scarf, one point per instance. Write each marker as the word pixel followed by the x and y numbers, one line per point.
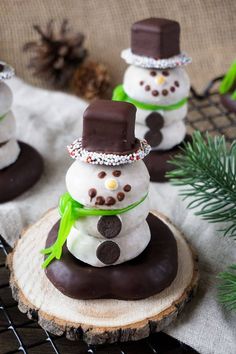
pixel 3 116
pixel 119 94
pixel 229 81
pixel 70 211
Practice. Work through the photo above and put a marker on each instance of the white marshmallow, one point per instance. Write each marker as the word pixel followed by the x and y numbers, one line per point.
pixel 134 236
pixel 6 98
pixel 9 153
pixel 177 84
pixel 81 177
pixel 168 116
pixel 134 75
pixel 129 220
pixel 84 246
pixel 7 127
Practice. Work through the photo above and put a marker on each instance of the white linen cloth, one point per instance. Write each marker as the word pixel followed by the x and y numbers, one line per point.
pixel 51 120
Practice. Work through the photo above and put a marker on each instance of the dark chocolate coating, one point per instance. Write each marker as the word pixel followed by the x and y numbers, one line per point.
pixel 108 127
pixel 109 226
pixel 228 102
pixel 157 38
pixel 146 275
pixel 21 175
pixel 157 162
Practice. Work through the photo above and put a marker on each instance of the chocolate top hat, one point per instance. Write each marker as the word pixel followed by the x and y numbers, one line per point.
pixel 108 135
pixel 155 44
pixel 6 71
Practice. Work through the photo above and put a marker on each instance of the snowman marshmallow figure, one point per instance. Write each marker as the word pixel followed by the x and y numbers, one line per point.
pixel 104 212
pixel 20 164
pixel 156 82
pixel 9 147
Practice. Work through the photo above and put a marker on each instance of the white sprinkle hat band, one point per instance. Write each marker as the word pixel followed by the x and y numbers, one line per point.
pixel 77 152
pixel 148 62
pixel 6 71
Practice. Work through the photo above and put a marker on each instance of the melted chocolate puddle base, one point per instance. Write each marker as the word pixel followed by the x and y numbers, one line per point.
pixel 146 275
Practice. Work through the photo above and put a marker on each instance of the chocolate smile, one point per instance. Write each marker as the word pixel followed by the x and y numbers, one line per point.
pixel 110 200
pixel 164 92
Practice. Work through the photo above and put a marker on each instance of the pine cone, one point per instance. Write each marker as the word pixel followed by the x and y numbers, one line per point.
pixel 56 55
pixel 91 80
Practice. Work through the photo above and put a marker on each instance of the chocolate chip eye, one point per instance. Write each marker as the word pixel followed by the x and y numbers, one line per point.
pixel 141 83
pixel 102 174
pixel 116 173
pixel 147 88
pixel 165 73
pixel 153 73
pixel 127 188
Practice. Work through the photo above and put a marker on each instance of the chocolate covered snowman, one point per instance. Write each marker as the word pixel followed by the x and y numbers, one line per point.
pixel 110 183
pixel 158 85
pixel 9 147
pixel 20 164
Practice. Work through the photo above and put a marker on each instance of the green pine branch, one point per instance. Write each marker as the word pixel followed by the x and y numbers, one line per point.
pixel 208 168
pixel 227 288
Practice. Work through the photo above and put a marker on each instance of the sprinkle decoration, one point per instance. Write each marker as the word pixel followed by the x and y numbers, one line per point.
pixel 146 62
pixel 76 151
pixel 6 71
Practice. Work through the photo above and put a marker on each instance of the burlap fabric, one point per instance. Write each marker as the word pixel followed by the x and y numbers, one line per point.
pixel 208 30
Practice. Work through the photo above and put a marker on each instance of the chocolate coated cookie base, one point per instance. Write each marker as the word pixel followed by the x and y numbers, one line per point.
pixel 21 175
pixel 157 162
pixel 228 102
pixel 146 275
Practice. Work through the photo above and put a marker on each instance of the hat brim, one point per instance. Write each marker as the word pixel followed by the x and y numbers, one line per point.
pixel 77 152
pixel 147 62
pixel 7 72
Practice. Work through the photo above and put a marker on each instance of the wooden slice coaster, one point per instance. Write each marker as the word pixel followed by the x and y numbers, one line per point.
pixel 95 321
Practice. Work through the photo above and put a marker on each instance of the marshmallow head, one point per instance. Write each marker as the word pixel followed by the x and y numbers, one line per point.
pixel 107 187
pixel 160 87
pixel 6 98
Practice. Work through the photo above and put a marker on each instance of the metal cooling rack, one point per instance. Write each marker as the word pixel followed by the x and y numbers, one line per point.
pixel 20 335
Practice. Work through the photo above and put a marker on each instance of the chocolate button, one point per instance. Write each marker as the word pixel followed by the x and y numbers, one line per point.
pixel 108 252
pixel 109 226
pixel 153 138
pixel 155 121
